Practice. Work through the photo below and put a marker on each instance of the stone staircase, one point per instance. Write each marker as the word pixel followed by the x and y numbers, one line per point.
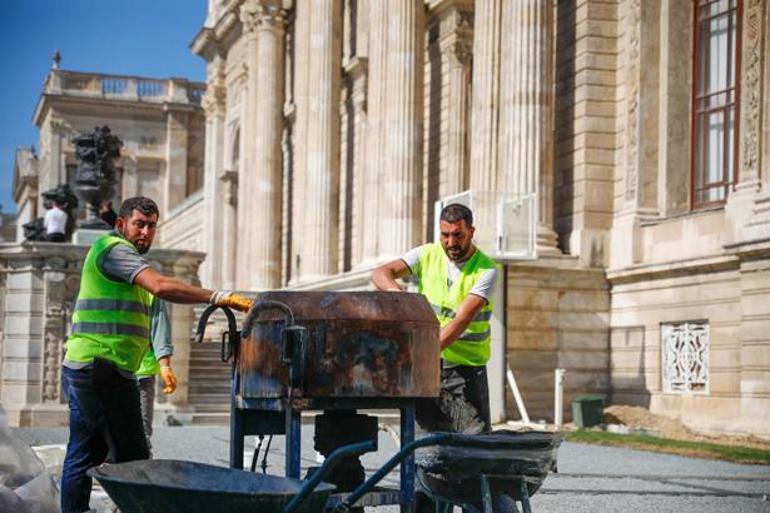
pixel 209 388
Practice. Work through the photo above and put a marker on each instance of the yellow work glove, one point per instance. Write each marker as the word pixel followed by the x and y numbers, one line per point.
pixel 169 379
pixel 230 300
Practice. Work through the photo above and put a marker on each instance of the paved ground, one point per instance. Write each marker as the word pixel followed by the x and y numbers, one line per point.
pixel 590 478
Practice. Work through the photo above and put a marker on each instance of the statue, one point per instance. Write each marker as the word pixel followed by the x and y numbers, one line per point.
pixel 95 177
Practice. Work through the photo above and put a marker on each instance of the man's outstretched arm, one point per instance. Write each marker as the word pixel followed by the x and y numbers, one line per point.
pixel 385 276
pixel 177 291
pixel 171 289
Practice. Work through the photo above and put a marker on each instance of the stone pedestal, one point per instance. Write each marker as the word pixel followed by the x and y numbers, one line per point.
pixel 86 236
pixel 39 283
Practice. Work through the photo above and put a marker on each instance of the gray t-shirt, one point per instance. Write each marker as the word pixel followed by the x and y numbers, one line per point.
pixel 484 286
pixel 122 262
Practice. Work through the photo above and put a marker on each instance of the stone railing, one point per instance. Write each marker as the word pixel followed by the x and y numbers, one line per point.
pixel 117 87
pixel 39 283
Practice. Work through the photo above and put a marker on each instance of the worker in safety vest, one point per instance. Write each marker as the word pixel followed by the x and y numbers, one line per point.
pixel 156 361
pixel 110 335
pixel 458 279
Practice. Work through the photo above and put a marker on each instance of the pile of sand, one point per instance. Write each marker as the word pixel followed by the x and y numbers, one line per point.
pixel 641 419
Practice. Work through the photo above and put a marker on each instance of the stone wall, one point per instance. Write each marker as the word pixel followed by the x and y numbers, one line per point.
pixel 557 317
pixel 730 293
pixel 39 284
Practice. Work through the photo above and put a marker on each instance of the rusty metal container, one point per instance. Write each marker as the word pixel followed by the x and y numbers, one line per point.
pixel 357 344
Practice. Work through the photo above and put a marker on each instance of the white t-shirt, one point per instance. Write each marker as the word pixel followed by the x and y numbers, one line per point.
pixel 484 286
pixel 55 221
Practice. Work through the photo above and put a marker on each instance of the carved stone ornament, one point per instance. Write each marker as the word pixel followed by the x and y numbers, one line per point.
pixel 632 112
pixel 255 15
pixel 751 87
pixel 61 287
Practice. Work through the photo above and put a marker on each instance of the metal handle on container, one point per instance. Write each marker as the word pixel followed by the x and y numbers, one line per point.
pixel 232 333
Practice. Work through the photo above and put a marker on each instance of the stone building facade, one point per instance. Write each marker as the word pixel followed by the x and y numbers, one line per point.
pixel 160 123
pixel 334 126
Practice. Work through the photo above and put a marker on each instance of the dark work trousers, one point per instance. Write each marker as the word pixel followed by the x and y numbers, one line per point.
pixel 104 419
pixel 147 401
pixel 462 407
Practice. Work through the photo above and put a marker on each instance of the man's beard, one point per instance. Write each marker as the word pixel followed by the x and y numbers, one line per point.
pixel 457 253
pixel 139 249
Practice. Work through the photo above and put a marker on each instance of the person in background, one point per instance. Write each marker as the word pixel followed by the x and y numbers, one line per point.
pixel 55 223
pixel 157 360
pixel 107 214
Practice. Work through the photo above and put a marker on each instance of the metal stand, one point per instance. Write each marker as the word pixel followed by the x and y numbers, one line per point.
pixel 274 416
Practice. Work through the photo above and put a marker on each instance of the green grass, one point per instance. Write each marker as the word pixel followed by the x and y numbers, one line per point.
pixel 735 454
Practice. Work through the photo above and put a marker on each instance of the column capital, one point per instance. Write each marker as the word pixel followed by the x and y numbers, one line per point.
pixel 458 51
pixel 262 14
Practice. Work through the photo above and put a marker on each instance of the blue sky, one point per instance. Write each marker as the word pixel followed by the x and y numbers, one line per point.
pixel 127 37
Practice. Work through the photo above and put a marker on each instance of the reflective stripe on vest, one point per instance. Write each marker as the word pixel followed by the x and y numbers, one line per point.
pixel 103 328
pixel 111 319
pixel 473 346
pixel 111 304
pixel 446 312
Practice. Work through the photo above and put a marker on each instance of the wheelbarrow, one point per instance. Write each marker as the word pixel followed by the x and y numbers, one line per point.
pixel 172 486
pixel 487 472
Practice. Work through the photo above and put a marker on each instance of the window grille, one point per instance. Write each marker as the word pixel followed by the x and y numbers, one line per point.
pixel 715 100
pixel 685 356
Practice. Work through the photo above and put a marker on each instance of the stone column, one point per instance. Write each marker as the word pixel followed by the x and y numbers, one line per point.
pixel 302 85
pixel 376 96
pixel 229 228
pixel 526 108
pixel 213 187
pixel 454 21
pixel 175 177
pixel 484 115
pixel 400 205
pixel 357 84
pixel 319 250
pixel 262 208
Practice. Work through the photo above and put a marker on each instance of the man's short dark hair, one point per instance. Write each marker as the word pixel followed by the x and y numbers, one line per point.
pixel 144 205
pixel 454 212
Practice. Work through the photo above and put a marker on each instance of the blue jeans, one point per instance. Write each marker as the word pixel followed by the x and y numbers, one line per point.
pixel 105 419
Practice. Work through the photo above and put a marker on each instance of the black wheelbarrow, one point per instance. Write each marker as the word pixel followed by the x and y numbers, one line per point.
pixel 171 486
pixel 487 472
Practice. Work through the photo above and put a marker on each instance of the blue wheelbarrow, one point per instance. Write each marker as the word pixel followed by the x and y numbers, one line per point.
pixel 172 486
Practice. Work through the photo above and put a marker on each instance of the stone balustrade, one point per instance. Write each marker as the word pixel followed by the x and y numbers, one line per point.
pixel 128 88
pixel 39 283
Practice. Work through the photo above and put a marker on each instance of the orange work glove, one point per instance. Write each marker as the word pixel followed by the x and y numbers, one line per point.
pixel 236 302
pixel 169 379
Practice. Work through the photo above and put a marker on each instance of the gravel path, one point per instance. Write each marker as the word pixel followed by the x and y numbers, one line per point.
pixel 590 478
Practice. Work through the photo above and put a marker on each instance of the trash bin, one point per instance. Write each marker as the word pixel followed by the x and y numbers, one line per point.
pixel 587 410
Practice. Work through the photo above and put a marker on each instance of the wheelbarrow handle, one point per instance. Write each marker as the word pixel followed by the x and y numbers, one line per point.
pixel 401 455
pixel 328 466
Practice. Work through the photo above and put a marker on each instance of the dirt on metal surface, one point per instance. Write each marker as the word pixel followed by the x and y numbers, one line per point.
pixel 357 344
